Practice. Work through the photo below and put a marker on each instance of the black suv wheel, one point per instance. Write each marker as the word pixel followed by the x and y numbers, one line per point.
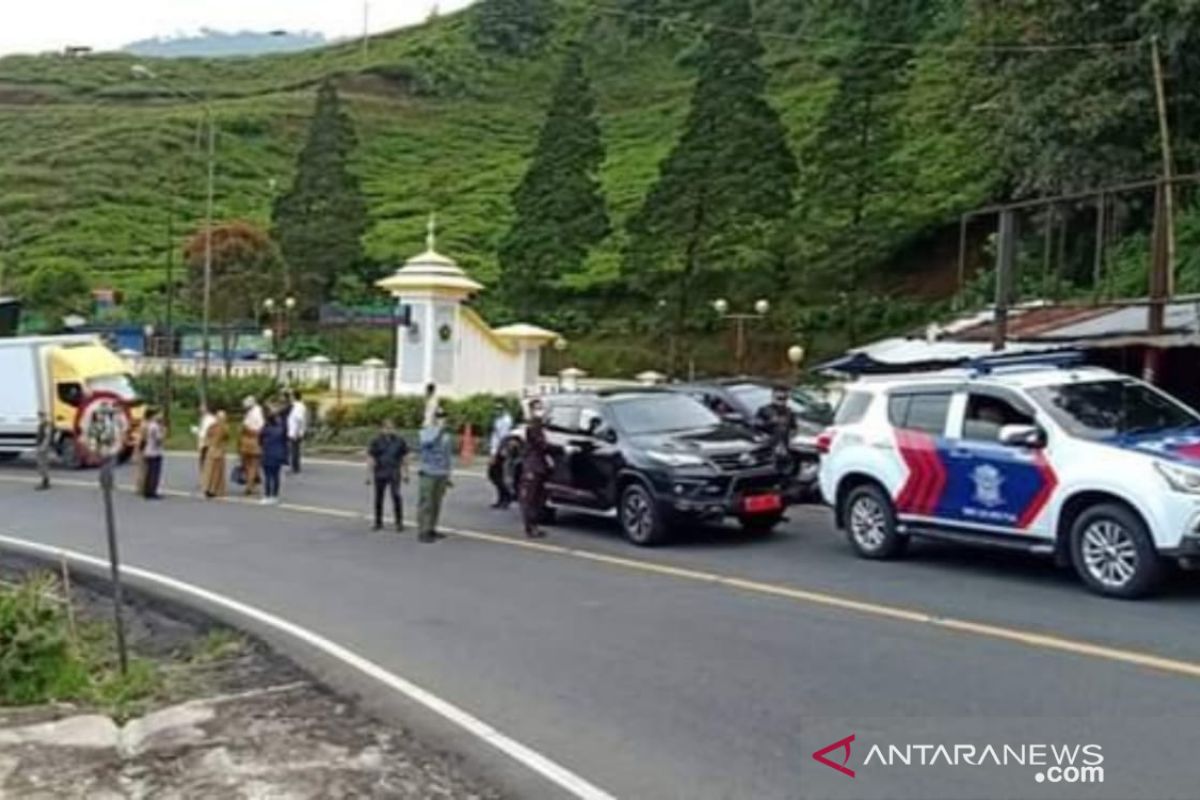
pixel 641 519
pixel 1113 553
pixel 871 523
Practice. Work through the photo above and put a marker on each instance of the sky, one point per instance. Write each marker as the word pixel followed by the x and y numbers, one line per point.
pixel 32 26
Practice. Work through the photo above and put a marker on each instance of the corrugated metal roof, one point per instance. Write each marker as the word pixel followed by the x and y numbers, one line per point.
pixel 1068 323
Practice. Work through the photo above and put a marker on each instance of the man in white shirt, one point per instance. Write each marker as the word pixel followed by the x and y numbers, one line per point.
pixel 249 446
pixel 297 427
pixel 502 425
pixel 207 418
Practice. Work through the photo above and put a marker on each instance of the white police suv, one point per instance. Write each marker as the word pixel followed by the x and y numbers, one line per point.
pixel 1098 469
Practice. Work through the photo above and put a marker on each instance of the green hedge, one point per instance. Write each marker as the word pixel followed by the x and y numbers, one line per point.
pixel 407 412
pixel 223 393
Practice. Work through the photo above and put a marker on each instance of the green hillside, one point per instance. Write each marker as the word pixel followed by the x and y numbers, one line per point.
pixel 90 157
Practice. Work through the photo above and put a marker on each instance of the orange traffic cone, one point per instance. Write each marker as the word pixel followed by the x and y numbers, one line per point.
pixel 467 451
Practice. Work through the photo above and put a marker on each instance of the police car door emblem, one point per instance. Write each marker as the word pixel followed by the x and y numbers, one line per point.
pixel 988 481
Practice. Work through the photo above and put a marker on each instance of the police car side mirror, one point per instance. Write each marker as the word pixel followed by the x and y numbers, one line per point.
pixel 1022 436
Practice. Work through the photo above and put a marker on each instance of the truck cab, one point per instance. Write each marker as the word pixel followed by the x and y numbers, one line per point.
pixel 56 375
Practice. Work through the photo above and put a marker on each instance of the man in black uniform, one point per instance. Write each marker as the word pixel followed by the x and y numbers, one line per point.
pixel 778 420
pixel 387 459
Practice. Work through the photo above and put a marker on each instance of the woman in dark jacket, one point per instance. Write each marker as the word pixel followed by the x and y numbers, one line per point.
pixel 535 468
pixel 274 441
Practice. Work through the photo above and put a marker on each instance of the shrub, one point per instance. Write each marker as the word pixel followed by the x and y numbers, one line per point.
pixel 36 659
pixel 223 393
pixel 407 412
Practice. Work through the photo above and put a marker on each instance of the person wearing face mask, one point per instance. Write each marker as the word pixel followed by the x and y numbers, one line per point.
pixel 535 469
pixel 436 462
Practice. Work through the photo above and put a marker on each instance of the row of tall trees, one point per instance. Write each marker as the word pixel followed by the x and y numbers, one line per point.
pixel 722 195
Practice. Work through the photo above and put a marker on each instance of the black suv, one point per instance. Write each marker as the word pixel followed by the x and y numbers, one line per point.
pixel 654 459
pixel 740 399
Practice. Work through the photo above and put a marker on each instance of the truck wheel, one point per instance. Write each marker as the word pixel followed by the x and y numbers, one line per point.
pixel 1113 552
pixel 761 524
pixel 871 523
pixel 70 453
pixel 641 519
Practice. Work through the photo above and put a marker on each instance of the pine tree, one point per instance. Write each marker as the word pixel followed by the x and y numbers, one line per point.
pixel 850 178
pixel 726 185
pixel 512 27
pixel 319 223
pixel 560 208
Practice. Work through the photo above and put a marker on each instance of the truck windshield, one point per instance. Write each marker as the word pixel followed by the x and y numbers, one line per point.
pixel 662 414
pixel 1106 409
pixel 120 385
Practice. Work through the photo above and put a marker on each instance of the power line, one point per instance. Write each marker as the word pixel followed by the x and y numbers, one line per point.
pixel 1044 47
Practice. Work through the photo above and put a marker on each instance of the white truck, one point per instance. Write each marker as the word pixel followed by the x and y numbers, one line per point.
pixel 56 375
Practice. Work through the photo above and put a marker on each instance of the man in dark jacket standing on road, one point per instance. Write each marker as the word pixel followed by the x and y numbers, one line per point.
pixel 778 421
pixel 387 460
pixel 535 469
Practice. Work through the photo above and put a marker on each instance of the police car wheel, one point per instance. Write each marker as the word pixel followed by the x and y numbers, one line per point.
pixel 871 523
pixel 1113 552
pixel 641 519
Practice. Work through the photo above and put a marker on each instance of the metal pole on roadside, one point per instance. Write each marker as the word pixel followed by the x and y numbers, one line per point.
pixel 208 250
pixel 114 559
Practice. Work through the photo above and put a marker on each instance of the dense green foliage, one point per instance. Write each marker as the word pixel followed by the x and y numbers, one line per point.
pixel 320 222
pixel 57 288
pixel 560 211
pixel 725 186
pixel 513 27
pixel 36 659
pixel 902 115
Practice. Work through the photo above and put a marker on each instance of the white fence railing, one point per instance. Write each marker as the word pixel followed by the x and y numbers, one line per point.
pixel 363 380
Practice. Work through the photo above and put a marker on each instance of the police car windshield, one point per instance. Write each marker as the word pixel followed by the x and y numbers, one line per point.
pixel 1105 409
pixel 662 413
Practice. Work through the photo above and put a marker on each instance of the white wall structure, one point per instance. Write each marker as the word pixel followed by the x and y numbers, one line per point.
pixel 447 343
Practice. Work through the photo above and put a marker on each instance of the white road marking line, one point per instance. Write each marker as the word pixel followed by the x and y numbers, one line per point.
pixel 528 757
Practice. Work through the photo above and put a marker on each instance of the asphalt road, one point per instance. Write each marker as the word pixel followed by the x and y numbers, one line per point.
pixel 712 668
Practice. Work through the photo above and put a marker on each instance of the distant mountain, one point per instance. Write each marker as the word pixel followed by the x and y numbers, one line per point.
pixel 220 44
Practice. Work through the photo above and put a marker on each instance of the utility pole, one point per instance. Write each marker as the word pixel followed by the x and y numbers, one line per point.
pixel 168 369
pixel 208 251
pixel 1168 209
pixel 366 42
pixel 1005 260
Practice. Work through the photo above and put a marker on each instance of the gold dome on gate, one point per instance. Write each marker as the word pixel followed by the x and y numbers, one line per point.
pixel 430 271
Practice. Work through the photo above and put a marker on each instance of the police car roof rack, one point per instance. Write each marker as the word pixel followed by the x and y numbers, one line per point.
pixel 1020 362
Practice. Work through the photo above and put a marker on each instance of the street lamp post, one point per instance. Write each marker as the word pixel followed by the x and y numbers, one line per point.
pixel 795 357
pixel 761 308
pixel 144 72
pixel 277 317
pixel 560 347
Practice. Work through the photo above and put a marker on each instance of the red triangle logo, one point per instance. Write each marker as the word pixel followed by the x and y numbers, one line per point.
pixel 841 744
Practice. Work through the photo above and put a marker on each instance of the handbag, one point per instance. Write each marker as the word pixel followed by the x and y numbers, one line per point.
pixel 238 475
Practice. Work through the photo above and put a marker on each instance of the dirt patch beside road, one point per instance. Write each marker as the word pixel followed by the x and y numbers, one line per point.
pixel 229 718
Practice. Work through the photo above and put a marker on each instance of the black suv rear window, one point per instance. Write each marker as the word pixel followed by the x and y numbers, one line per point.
pixel 853 408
